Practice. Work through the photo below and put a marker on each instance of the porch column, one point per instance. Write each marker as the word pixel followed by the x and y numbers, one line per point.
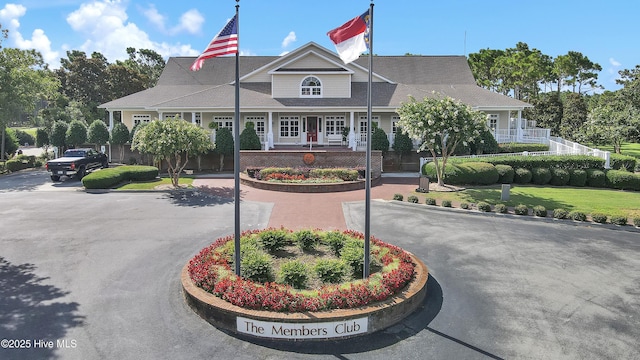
pixel 193 117
pixel 352 133
pixel 269 140
pixel 111 120
pixel 519 133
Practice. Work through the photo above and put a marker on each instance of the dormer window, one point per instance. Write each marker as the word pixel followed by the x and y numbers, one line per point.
pixel 311 87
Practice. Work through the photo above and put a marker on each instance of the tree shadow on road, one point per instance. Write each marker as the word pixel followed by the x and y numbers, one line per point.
pixel 29 311
pixel 202 196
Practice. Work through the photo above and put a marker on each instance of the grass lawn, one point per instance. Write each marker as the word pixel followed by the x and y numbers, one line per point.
pixel 630 149
pixel 587 200
pixel 150 185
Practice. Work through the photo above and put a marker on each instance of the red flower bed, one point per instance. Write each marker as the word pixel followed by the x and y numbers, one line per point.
pixel 214 275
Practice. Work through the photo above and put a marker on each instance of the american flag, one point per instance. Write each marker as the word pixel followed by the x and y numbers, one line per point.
pixel 226 42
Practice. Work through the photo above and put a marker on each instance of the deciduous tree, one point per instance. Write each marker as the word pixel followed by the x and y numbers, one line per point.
pixel 440 123
pixel 174 141
pixel 98 133
pixel 76 133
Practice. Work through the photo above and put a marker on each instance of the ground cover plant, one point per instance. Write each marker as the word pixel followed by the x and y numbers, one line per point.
pixel 287 278
pixel 304 175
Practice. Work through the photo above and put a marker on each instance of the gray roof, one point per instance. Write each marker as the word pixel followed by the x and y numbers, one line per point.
pixel 212 86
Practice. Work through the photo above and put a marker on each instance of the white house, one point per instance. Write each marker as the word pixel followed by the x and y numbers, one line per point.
pixel 310 96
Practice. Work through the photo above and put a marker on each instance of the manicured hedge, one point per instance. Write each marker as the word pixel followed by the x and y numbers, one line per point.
pixel 506 174
pixel 622 162
pixel 344 174
pixel 623 180
pixel 521 147
pixel 547 161
pixel 596 178
pixel 107 178
pixel 522 176
pixel 540 176
pixel 560 177
pixel 479 173
pixel 577 177
pixel 13 165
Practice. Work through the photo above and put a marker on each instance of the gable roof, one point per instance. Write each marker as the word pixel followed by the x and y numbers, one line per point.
pixel 398 77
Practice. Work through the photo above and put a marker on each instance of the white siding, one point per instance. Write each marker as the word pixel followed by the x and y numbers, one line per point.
pixel 333 86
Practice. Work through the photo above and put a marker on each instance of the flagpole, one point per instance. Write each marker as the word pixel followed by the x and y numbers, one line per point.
pixel 367 211
pixel 236 154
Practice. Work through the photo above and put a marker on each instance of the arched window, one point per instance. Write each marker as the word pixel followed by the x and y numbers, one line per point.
pixel 311 87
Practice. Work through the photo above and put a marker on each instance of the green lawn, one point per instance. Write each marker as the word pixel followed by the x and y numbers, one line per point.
pixel 150 185
pixel 631 149
pixel 587 200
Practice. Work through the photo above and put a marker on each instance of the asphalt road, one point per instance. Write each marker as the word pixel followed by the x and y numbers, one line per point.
pixel 96 276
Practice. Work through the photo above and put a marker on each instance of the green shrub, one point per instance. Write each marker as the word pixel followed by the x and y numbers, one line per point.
pixel 577 216
pixel 294 273
pixel 559 177
pixel 479 173
pixel 636 221
pixel 107 178
pixel 257 266
pixel 501 208
pixel 398 197
pixel 539 211
pixel 623 180
pixel 483 206
pixel 353 255
pixel 560 213
pixel 24 137
pixel 622 162
pixel 343 174
pixel 578 177
pixel 596 178
pixel 446 203
pixel 599 218
pixel 274 239
pixel 430 201
pixel 412 199
pixel 464 205
pixel 335 240
pixel 506 174
pixel 331 270
pixel 619 220
pixel 521 147
pixel 540 176
pixel 522 176
pixel 13 165
pixel 549 161
pixel 306 240
pixel 521 209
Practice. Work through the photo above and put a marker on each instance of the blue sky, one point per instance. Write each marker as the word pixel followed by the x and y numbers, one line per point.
pixel 604 31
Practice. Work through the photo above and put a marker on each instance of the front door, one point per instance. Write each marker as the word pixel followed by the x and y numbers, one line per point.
pixel 312 129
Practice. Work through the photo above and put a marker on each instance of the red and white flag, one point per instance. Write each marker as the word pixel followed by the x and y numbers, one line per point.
pixel 226 42
pixel 351 39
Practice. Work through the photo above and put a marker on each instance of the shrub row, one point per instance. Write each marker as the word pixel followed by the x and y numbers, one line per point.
pixel 549 161
pixel 522 147
pixel 623 162
pixel 333 173
pixel 22 162
pixel 107 178
pixel 486 174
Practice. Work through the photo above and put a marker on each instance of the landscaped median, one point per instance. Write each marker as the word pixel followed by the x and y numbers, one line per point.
pixel 108 178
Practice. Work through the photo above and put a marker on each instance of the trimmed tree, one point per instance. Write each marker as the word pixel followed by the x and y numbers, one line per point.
pixel 98 133
pixel 58 136
pixel 120 136
pixel 379 140
pixel 440 123
pixel 224 144
pixel 76 133
pixel 249 139
pixel 402 145
pixel 172 140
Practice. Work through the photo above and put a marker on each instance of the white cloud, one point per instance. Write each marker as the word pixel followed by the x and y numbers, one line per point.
pixel 291 37
pixel 191 22
pixel 11 14
pixel 613 62
pixel 152 14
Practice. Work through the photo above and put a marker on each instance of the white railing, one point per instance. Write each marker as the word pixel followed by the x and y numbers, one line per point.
pixel 535 135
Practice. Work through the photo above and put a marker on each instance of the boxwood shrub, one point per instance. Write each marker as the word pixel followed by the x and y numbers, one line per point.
pixel 464 205
pixel 107 178
pixel 540 175
pixel 446 203
pixel 636 221
pixel 483 206
pixel 343 174
pixel 619 220
pixel 13 165
pixel 430 201
pixel 577 216
pixel 560 213
pixel 596 178
pixel 501 208
pixel 480 173
pixel 505 173
pixel 559 177
pixel 412 199
pixel 398 197
pixel 522 176
pixel 599 218
pixel 520 147
pixel 539 211
pixel 623 180
pixel 548 161
pixel 521 209
pixel 577 177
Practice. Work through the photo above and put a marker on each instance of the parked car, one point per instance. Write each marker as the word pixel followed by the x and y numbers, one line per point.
pixel 76 162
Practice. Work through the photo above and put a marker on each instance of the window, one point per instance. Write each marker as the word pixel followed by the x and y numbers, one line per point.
pixel 259 125
pixel 289 126
pixel 311 87
pixel 140 118
pixel 334 124
pixel 224 122
pixel 492 121
pixel 166 116
pixel 198 119
pixel 394 124
pixel 363 123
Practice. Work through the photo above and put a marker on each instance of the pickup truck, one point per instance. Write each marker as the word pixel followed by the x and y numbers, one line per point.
pixel 76 162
